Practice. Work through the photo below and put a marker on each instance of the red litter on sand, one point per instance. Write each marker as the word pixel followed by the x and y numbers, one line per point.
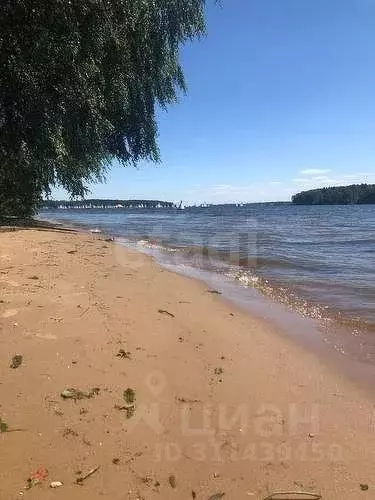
pixel 37 477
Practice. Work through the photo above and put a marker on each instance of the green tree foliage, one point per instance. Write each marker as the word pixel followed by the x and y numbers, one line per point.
pixel 19 193
pixel 80 81
pixel 339 195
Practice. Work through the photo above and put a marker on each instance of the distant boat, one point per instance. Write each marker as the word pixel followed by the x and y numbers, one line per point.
pixel 181 206
pixel 95 231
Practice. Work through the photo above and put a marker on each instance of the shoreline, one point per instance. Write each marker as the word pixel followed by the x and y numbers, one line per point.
pixel 224 403
pixel 345 340
pixel 331 343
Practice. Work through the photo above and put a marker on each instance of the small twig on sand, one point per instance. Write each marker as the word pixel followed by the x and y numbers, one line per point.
pixel 295 495
pixel 163 311
pixel 84 312
pixel 80 480
pixel 15 430
pixel 5 428
pixel 185 400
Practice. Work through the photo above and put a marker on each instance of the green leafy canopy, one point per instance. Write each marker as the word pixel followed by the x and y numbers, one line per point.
pixel 80 81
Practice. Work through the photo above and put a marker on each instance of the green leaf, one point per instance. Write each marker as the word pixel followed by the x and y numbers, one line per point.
pixel 3 426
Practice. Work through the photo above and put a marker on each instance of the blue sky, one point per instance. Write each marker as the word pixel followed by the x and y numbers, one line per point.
pixel 281 98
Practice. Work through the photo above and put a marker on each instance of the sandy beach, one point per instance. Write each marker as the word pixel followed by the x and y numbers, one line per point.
pixel 177 394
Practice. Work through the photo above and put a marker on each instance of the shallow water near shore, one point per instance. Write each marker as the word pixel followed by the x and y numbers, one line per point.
pixel 315 260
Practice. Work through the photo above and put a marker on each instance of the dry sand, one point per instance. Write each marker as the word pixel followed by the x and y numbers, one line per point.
pixel 223 404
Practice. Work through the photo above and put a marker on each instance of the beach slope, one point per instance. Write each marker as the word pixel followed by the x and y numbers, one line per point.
pixel 158 387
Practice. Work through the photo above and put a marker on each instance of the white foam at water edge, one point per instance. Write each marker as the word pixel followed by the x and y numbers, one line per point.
pixel 144 243
pixel 157 246
pixel 244 278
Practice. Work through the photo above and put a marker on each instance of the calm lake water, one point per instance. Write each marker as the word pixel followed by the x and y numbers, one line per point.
pixel 318 260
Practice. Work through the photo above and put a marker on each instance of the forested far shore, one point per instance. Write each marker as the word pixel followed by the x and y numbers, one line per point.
pixel 355 194
pixel 100 203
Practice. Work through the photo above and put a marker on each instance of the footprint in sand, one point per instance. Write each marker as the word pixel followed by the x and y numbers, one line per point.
pixel 9 313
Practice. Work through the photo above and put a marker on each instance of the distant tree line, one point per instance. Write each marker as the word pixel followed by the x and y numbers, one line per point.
pixel 99 203
pixel 356 194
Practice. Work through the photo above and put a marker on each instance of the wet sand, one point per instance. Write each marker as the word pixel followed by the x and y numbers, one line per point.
pixel 222 402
